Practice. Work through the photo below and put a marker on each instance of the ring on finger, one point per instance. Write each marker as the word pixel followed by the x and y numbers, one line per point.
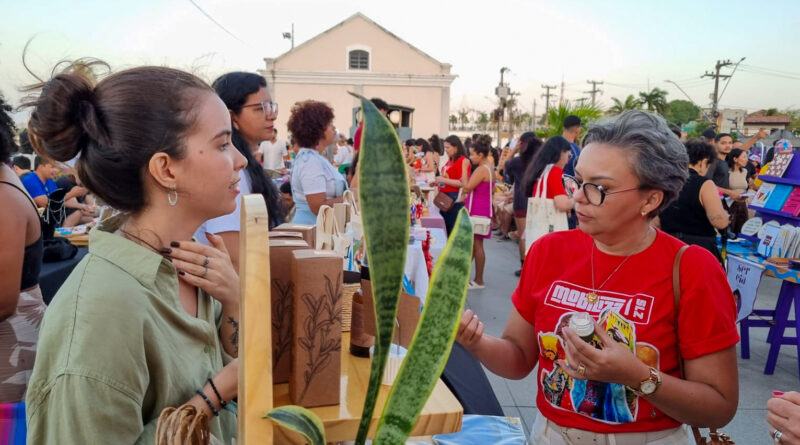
pixel 205 271
pixel 776 436
pixel 206 261
pixel 582 370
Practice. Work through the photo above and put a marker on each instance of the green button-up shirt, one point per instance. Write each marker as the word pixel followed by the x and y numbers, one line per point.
pixel 116 347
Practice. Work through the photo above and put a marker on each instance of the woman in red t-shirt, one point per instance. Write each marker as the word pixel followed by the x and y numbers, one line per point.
pixel 555 152
pixel 455 176
pixel 619 270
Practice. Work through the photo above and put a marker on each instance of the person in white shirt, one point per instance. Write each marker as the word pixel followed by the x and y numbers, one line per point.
pixel 273 152
pixel 344 152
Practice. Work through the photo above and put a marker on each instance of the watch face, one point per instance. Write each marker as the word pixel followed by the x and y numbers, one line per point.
pixel 648 387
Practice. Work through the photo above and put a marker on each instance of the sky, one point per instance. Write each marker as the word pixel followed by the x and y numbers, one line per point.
pixel 630 45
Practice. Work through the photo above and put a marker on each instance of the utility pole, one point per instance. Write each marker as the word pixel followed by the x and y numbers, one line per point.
pixel 715 95
pixel 581 100
pixel 561 96
pixel 534 115
pixel 502 91
pixel 594 89
pixel 290 35
pixel 547 96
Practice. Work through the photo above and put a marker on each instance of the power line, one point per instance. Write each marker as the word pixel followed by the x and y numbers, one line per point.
pixel 771 69
pixel 215 22
pixel 729 78
pixel 766 73
pixel 594 89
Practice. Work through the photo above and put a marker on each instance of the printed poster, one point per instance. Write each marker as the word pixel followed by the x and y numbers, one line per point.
pixel 744 277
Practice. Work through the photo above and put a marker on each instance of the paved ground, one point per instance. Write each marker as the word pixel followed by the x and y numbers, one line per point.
pixel 518 397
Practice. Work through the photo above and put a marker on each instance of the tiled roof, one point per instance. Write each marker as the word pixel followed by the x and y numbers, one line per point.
pixel 767 120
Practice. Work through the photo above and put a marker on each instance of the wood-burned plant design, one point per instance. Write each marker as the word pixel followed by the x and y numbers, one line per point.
pixel 281 317
pixel 324 315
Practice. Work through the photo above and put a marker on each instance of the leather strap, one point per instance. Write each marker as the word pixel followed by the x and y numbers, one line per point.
pixel 676 294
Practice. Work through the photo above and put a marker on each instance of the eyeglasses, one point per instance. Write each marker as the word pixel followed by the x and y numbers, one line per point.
pixel 266 107
pixel 594 193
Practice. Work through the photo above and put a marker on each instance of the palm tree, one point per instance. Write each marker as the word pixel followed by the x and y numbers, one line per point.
pixel 655 100
pixel 483 120
pixel 556 115
pixel 630 103
pixel 463 116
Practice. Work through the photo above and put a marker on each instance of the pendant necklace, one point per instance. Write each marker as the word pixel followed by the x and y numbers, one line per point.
pixel 591 297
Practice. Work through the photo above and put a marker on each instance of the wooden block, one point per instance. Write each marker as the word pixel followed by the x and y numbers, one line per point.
pixel 286 235
pixel 408 313
pixel 317 339
pixel 309 232
pixel 255 335
pixel 280 270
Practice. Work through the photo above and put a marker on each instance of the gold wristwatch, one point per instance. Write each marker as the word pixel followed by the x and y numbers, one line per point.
pixel 649 385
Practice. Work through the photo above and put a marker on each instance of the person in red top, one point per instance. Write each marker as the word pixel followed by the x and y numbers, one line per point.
pixel 455 176
pixel 555 152
pixel 619 270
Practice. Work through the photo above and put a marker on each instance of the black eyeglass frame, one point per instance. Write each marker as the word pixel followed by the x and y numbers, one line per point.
pixel 583 185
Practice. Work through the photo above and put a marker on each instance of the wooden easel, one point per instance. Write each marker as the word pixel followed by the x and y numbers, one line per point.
pixel 255 332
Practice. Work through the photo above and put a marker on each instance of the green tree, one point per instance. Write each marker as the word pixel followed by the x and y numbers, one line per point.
pixel 654 100
pixel 699 128
pixel 463 117
pixel 681 112
pixel 556 115
pixel 453 120
pixel 483 120
pixel 630 103
pixel 795 115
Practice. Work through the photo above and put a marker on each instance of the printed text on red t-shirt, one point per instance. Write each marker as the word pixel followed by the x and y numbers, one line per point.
pixel 636 308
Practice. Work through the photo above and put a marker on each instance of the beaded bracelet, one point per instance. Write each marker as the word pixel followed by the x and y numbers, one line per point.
pixel 208 401
pixel 219 397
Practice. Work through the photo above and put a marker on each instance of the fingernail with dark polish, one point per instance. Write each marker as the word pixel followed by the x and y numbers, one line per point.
pixel 180 272
pixel 166 250
pixel 777 393
pixel 168 258
pixel 175 244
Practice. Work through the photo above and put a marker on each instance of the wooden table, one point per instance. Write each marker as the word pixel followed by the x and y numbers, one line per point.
pixel 81 240
pixel 442 413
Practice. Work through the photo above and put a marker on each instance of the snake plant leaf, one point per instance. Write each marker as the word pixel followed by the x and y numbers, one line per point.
pixel 301 420
pixel 433 339
pixel 383 197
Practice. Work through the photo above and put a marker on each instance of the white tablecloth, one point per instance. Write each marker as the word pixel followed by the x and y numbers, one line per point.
pixel 416 270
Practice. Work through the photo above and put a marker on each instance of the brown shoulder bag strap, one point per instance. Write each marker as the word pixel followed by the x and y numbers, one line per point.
pixel 676 293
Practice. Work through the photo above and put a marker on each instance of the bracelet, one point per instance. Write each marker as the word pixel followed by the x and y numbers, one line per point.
pixel 210 405
pixel 219 397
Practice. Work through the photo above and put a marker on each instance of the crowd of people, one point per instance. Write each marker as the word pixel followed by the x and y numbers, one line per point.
pixel 173 156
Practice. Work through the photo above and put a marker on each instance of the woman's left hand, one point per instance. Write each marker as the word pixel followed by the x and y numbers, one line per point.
pixel 207 267
pixel 615 363
pixel 783 414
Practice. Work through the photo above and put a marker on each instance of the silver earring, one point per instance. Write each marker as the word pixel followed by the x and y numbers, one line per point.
pixel 172 201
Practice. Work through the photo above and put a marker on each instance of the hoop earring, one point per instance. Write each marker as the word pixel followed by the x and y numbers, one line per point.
pixel 172 201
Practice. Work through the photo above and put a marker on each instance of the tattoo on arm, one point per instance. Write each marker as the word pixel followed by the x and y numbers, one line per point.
pixel 719 216
pixel 235 334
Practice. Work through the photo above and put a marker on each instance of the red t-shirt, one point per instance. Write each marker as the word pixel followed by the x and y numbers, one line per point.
pixel 453 170
pixel 357 137
pixel 555 186
pixel 555 280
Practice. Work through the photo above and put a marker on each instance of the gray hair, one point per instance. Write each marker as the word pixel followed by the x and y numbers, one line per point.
pixel 658 158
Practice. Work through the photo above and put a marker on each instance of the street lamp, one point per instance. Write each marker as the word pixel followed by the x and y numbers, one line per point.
pixel 502 92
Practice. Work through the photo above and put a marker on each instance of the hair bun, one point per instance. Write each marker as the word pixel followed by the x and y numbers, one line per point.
pixel 65 118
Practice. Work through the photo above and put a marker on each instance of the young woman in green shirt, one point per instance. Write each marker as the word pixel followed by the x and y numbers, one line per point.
pixel 149 318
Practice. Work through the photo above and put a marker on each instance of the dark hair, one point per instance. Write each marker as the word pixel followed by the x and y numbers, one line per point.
pixel 467 144
pixel 308 122
pixel 482 145
pixel 380 103
pixel 22 162
pixel 234 88
pixel 530 146
pixel 571 121
pixel 699 149
pixel 38 160
pixel 116 126
pixel 709 133
pixel 550 153
pixel 349 141
pixel 7 131
pixel 455 141
pixel 720 136
pixel 426 147
pixel 675 130
pixel 286 187
pixel 351 170
pixel 730 158
pixel 770 154
pixel 25 146
pixel 436 144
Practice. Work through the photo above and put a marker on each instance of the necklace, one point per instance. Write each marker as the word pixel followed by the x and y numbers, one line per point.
pixel 141 241
pixel 591 297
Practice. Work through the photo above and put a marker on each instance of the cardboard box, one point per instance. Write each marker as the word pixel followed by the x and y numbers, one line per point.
pixel 280 268
pixel 408 314
pixel 309 232
pixel 286 235
pixel 317 328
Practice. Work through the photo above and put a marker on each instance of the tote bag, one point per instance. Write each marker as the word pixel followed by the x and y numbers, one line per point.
pixel 328 235
pixel 482 225
pixel 543 216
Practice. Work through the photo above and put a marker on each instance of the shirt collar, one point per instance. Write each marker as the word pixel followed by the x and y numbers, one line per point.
pixel 139 261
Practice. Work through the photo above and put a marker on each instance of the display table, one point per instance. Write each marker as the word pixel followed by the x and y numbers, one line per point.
pixel 441 414
pixel 53 275
pixel 81 240
pixel 416 269
pixel 777 319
